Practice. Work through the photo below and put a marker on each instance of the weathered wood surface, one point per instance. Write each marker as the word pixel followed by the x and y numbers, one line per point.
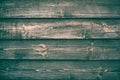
pixel 60 8
pixel 60 49
pixel 59 28
pixel 63 39
pixel 59 70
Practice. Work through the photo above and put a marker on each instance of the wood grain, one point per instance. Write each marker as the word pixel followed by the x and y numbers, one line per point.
pixel 60 49
pixel 59 28
pixel 59 39
pixel 59 70
pixel 60 9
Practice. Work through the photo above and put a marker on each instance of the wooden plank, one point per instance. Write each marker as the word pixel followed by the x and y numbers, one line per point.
pixel 59 70
pixel 59 28
pixel 59 9
pixel 60 49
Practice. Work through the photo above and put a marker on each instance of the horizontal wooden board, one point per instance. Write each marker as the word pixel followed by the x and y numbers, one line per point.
pixel 59 28
pixel 60 49
pixel 59 9
pixel 59 70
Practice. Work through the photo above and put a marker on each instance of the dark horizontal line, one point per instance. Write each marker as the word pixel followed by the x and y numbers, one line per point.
pixel 59 39
pixel 56 60
pixel 22 78
pixel 89 18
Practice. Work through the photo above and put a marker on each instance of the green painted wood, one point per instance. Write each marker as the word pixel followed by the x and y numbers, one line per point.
pixel 60 49
pixel 66 46
pixel 59 70
pixel 59 28
pixel 59 9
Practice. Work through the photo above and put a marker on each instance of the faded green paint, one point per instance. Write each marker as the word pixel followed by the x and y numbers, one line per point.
pixel 59 70
pixel 60 9
pixel 59 28
pixel 60 49
pixel 59 39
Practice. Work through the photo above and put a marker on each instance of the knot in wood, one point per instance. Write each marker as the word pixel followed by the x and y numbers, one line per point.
pixel 41 49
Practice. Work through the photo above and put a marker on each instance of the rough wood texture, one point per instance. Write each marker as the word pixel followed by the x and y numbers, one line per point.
pixel 59 70
pixel 59 9
pixel 59 40
pixel 59 28
pixel 60 49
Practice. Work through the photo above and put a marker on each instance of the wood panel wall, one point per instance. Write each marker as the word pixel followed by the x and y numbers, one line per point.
pixel 59 40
